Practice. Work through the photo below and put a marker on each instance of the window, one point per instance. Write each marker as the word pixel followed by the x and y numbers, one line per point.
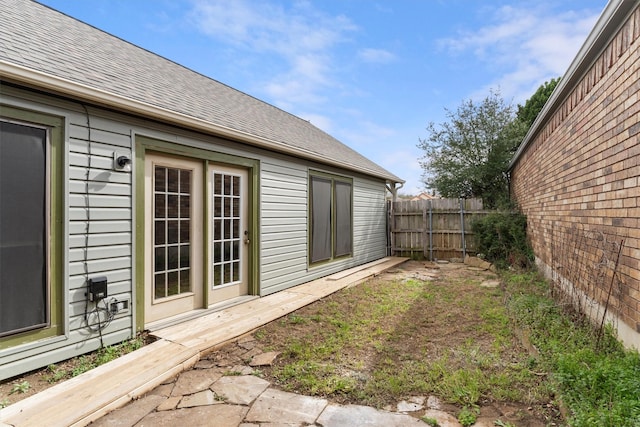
pixel 331 227
pixel 29 306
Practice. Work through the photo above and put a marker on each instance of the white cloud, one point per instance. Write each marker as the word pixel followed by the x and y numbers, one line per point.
pixel 524 46
pixel 299 39
pixel 377 56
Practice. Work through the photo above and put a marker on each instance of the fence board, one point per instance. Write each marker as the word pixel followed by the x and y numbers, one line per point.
pixel 433 229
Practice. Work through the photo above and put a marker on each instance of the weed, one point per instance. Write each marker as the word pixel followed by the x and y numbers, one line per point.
pixel 232 373
pixel 55 374
pixel 21 387
pixel 4 403
pixel 468 416
pixel 430 421
pixel 501 423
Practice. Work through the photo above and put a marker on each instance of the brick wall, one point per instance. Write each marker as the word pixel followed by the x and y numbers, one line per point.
pixel 580 175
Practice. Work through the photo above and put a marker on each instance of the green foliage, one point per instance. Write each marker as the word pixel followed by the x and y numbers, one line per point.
pixel 4 403
pixel 528 112
pixel 502 238
pixel 468 155
pixel 598 385
pixel 430 421
pixel 21 387
pixel 468 416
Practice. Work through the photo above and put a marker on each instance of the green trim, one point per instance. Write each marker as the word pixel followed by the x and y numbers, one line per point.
pixel 144 144
pixel 333 178
pixel 56 224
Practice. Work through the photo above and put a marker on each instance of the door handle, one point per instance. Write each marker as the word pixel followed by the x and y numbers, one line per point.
pixel 246 237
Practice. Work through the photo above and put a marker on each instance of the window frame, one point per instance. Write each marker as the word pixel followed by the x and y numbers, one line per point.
pixel 54 188
pixel 333 180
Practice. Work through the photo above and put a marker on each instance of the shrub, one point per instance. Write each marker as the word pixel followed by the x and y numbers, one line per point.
pixel 502 238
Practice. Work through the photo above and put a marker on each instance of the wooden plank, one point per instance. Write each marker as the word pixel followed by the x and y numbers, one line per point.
pixel 66 402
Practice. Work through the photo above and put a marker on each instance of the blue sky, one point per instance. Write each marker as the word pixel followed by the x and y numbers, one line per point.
pixel 371 73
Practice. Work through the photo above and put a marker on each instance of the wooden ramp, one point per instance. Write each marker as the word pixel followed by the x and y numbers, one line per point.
pixel 89 396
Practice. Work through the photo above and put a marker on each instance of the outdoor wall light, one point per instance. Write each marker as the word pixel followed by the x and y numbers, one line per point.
pixel 121 162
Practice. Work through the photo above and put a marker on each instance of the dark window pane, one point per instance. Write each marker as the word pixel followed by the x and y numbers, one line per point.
pixel 23 229
pixel 343 215
pixel 236 208
pixel 159 232
pixel 185 206
pixel 173 284
pixel 227 207
pixel 172 263
pixel 236 250
pixel 185 181
pixel 172 206
pixel 185 256
pixel 185 280
pixel 185 231
pixel 217 229
pixel 227 228
pixel 227 185
pixel 217 207
pixel 236 271
pixel 217 252
pixel 160 179
pixel 160 208
pixel 217 184
pixel 236 228
pixel 227 251
pixel 227 273
pixel 236 185
pixel 159 285
pixel 172 231
pixel 320 219
pixel 172 180
pixel 217 275
pixel 159 259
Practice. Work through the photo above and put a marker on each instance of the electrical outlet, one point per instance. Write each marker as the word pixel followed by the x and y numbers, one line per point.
pixel 119 306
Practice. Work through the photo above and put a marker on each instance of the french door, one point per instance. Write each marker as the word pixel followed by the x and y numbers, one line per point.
pixel 196 235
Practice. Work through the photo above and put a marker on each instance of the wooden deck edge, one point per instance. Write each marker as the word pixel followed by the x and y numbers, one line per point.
pixel 54 405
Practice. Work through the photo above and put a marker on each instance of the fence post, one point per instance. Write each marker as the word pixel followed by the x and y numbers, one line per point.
pixel 424 229
pixel 430 230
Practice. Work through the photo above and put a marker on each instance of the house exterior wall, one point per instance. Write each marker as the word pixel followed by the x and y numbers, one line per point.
pixel 582 171
pixel 101 226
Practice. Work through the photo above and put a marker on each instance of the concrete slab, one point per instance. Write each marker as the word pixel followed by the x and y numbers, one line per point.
pixel 355 415
pixel 240 390
pixel 169 404
pixel 275 406
pixel 201 416
pixel 131 414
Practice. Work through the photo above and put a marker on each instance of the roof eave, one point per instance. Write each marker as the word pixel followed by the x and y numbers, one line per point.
pixel 612 18
pixel 34 78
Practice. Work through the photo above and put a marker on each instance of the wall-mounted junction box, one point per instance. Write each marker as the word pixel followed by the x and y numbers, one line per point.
pixel 119 305
pixel 97 288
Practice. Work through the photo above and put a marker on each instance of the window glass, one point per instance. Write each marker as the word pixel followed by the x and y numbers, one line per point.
pixel 320 219
pixel 343 230
pixel 23 229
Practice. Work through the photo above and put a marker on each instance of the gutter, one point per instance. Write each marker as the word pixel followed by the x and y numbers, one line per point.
pixel 613 17
pixel 28 76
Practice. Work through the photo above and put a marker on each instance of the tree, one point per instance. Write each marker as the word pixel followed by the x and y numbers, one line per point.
pixel 533 105
pixel 468 155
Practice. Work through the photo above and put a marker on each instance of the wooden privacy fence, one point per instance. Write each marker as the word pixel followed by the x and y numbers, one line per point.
pixel 433 229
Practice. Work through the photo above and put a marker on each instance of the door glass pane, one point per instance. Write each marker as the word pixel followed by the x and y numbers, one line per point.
pixel 172 199
pixel 23 228
pixel 226 219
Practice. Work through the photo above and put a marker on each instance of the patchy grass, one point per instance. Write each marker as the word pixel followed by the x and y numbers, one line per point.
pixel 398 336
pixel 598 385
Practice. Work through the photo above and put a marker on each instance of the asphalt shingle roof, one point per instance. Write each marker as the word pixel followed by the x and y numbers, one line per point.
pixel 42 39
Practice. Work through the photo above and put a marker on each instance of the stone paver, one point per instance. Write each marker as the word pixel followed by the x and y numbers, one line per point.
pixel 275 406
pixel 202 398
pixel 196 380
pixel 355 415
pixel 130 414
pixel 240 390
pixel 264 359
pixel 200 416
